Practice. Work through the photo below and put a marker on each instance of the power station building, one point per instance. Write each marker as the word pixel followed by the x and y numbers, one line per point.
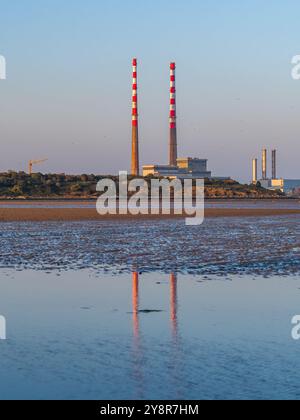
pixel 290 187
pixel 185 168
pixel 272 183
pixel 287 186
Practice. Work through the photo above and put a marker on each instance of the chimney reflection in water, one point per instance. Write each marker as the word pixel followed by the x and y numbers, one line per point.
pixel 173 304
pixel 138 348
pixel 135 304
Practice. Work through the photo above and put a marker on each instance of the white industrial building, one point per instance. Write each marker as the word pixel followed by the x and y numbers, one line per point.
pixel 192 168
pixel 287 186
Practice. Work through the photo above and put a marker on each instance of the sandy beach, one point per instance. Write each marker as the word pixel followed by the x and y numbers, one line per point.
pixel 76 214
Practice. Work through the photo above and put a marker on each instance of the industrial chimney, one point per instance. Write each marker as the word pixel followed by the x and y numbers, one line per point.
pixel 264 164
pixel 135 164
pixel 274 164
pixel 173 129
pixel 254 171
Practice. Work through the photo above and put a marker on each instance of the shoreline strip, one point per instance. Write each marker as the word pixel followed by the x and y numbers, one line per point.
pixel 82 214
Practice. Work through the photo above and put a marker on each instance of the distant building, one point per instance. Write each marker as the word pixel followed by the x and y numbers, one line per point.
pixel 287 186
pixel 160 171
pixel 272 184
pixel 186 168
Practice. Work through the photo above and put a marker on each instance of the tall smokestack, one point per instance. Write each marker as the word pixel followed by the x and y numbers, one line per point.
pixel 254 171
pixel 135 164
pixel 274 164
pixel 173 129
pixel 264 164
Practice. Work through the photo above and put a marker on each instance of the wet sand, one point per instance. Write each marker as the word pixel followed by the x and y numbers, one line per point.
pixel 77 214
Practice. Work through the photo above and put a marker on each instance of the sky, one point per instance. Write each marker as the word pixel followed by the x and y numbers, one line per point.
pixel 67 96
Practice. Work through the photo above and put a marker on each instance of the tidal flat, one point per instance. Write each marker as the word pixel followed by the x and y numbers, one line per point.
pixel 137 309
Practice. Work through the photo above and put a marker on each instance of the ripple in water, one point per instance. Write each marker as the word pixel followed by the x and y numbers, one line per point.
pixel 264 246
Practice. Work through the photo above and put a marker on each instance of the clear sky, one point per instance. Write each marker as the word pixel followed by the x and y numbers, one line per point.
pixel 68 92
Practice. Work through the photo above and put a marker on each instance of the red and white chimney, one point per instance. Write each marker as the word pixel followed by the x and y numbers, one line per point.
pixel 173 128
pixel 135 164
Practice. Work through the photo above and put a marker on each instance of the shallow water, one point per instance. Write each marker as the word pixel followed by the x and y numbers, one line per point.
pixel 261 246
pixel 95 337
pixel 136 310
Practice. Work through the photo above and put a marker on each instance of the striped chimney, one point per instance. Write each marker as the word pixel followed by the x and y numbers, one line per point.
pixel 173 129
pixel 135 164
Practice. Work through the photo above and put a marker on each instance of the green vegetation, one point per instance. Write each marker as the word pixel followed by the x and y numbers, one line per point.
pixel 19 184
pixel 232 189
pixel 22 185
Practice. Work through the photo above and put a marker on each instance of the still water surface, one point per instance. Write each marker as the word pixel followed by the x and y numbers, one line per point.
pixel 81 326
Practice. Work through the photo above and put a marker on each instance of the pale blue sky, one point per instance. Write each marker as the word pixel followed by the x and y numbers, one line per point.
pixel 67 96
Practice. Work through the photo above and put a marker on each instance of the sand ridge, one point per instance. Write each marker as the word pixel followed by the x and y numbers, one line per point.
pixel 77 214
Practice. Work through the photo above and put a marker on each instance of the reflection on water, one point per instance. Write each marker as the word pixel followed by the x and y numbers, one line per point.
pixel 138 348
pixel 135 305
pixel 147 336
pixel 2 328
pixel 136 308
pixel 137 345
pixel 124 310
pixel 173 304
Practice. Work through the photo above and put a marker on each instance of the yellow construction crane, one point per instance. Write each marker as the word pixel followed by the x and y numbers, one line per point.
pixel 34 162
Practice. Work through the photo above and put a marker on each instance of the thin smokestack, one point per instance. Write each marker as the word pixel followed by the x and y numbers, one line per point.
pixel 173 128
pixel 135 164
pixel 274 164
pixel 254 171
pixel 264 164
